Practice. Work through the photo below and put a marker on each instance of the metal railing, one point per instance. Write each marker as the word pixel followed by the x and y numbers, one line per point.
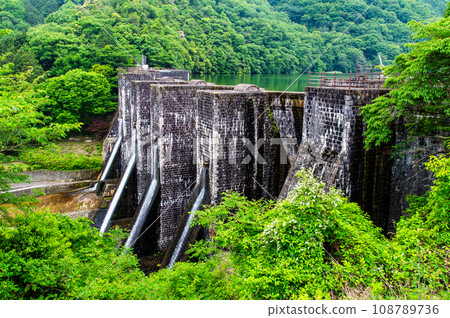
pixel 346 80
pixel 366 76
pixel 369 69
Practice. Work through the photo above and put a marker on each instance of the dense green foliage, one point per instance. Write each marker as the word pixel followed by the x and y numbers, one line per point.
pixel 311 245
pixel 374 27
pixel 420 88
pixel 47 256
pixel 204 36
pixel 220 37
pixel 76 96
pixel 21 122
pixel 423 237
pixel 52 158
pixel 21 125
pixel 21 14
pixel 316 245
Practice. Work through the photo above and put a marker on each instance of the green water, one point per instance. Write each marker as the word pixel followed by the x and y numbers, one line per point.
pixel 273 82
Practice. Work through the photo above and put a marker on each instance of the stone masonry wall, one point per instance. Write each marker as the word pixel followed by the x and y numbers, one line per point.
pixel 332 144
pixel 145 112
pixel 173 128
pixel 226 121
pixel 408 173
pixel 287 111
pixel 168 113
pixel 193 122
pixel 126 103
pixel 127 110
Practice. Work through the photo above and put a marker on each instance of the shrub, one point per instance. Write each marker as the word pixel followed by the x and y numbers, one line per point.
pixel 99 127
pixel 77 96
pixel 52 158
pixel 311 245
pixel 316 245
pixel 48 256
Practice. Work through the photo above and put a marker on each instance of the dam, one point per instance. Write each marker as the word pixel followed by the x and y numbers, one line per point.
pixel 177 145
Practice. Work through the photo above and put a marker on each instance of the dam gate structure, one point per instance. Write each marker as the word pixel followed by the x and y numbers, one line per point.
pixel 181 144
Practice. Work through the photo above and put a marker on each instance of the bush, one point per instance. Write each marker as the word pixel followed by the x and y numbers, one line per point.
pixel 202 280
pixel 48 256
pixel 313 245
pixel 316 245
pixel 309 246
pixel 52 158
pixel 77 96
pixel 423 237
pixel 99 127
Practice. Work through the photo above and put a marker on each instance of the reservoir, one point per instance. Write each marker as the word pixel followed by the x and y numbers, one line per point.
pixel 272 82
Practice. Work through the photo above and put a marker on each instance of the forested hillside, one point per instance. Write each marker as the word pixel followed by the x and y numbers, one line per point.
pixel 207 36
pixel 375 27
pixel 78 49
pixel 21 14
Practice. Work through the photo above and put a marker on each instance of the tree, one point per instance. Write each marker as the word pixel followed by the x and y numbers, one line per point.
pixel 50 256
pixel 4 32
pixel 21 125
pixel 13 15
pixel 420 88
pixel 76 96
pixel 315 245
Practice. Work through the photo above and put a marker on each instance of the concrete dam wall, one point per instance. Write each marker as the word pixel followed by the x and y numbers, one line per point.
pixel 244 134
pixel 332 147
pixel 245 139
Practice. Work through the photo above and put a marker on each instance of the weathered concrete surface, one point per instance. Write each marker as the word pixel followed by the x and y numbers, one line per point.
pixel 47 187
pixel 332 147
pixel 408 173
pixel 167 113
pixel 254 142
pixel 62 176
pixel 241 133
pixel 332 135
pixel 172 128
pixel 131 87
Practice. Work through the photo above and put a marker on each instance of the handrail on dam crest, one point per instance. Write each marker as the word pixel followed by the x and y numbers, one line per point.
pixel 365 77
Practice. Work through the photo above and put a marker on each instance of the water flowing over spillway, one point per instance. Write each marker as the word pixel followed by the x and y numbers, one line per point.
pixel 147 201
pixel 199 201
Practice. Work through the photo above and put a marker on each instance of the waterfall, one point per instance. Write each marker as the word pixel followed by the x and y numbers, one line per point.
pixel 199 201
pixel 146 201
